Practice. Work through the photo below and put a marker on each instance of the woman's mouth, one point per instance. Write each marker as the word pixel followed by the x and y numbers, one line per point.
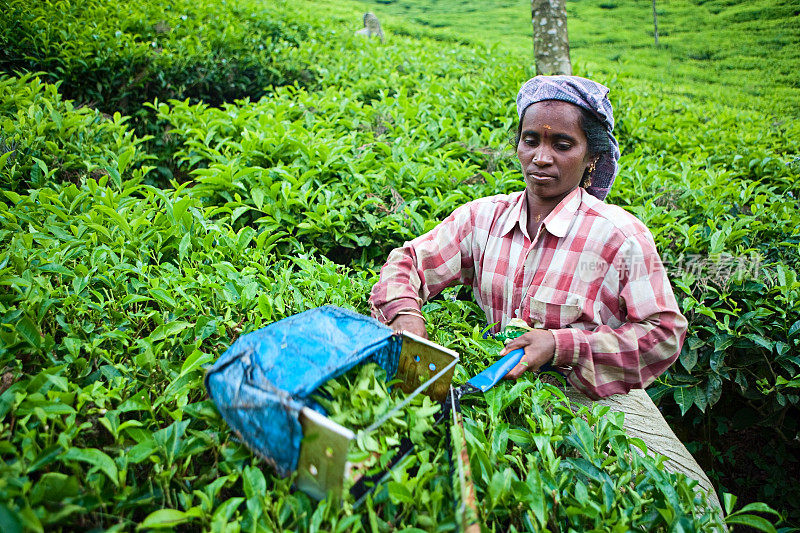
pixel 540 176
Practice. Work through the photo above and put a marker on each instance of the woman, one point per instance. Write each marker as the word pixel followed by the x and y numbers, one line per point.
pixel 583 274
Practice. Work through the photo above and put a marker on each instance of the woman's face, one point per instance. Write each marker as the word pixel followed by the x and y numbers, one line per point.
pixel 552 150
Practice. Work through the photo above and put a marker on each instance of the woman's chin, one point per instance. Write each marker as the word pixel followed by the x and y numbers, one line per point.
pixel 549 189
pixel 542 186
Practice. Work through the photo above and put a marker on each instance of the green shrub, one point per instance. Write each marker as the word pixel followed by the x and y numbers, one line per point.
pixel 340 170
pixel 525 436
pixel 725 217
pixel 115 58
pixel 47 140
pixel 104 417
pixel 114 292
pixel 118 57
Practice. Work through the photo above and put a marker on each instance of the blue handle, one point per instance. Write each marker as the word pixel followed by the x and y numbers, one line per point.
pixel 489 377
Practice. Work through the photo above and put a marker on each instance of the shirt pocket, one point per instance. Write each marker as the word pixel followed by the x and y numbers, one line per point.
pixel 551 309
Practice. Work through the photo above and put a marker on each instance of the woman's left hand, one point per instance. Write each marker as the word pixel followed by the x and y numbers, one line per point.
pixel 539 346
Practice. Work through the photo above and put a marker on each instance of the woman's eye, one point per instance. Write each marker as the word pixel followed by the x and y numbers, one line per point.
pixel 530 142
pixel 563 146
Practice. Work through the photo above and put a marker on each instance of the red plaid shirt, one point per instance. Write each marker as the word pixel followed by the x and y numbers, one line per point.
pixel 591 275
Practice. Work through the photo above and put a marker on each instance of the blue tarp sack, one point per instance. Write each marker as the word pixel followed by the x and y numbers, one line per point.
pixel 266 377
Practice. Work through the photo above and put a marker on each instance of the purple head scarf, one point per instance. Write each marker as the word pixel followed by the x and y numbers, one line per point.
pixel 589 95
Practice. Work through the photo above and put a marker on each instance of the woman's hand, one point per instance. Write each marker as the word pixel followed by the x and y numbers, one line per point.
pixel 410 323
pixel 539 346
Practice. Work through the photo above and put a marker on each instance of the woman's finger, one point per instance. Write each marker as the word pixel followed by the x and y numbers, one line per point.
pixel 520 368
pixel 512 345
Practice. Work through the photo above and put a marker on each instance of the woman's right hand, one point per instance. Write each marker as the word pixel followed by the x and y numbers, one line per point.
pixel 539 346
pixel 410 323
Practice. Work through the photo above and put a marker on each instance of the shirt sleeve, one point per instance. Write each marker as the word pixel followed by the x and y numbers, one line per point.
pixel 607 360
pixel 423 267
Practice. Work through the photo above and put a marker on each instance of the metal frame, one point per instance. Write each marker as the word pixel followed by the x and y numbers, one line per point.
pixel 323 466
pixel 420 359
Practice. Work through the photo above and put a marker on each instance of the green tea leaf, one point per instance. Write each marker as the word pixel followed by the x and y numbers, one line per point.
pixel 53 487
pixel 254 482
pixel 164 518
pixel 761 341
pixel 399 493
pixel 9 521
pixel 684 397
pixel 688 359
pixel 168 330
pixel 28 330
pixel 756 522
pixel 184 246
pixel 758 507
pixel 96 458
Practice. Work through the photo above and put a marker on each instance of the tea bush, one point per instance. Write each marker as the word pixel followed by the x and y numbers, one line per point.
pixel 116 286
pixel 706 228
pixel 46 139
pixel 525 435
pixel 742 54
pixel 106 422
pixel 118 57
pixel 725 217
pixel 282 161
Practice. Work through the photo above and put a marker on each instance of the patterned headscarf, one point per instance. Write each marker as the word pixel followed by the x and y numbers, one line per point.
pixel 589 95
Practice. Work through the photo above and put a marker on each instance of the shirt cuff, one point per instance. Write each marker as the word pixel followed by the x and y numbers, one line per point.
pixel 388 311
pixel 567 347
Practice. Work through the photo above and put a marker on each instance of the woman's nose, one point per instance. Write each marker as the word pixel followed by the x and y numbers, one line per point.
pixel 542 157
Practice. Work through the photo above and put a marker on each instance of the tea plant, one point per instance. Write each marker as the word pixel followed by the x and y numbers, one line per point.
pixel 706 47
pixel 361 398
pixel 46 139
pixel 282 179
pixel 119 58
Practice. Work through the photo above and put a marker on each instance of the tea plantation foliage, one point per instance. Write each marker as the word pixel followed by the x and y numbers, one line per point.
pixel 175 175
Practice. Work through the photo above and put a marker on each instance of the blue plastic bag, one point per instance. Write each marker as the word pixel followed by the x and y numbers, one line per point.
pixel 266 377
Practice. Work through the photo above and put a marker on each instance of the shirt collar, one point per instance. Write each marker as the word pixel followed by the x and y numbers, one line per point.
pixel 557 222
pixel 516 216
pixel 560 218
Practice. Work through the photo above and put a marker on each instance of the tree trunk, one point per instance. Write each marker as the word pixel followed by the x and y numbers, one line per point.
pixel 655 22
pixel 550 40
